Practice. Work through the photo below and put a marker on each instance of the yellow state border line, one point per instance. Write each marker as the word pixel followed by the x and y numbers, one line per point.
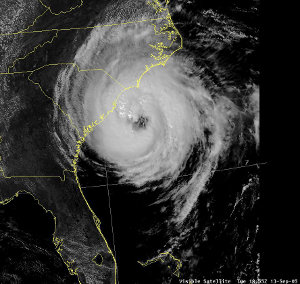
pixel 62 178
pixel 58 242
pixel 103 117
pixel 82 28
pixel 62 63
pixel 79 70
pixel 159 258
pixel 48 8
pixel 61 12
pixel 41 45
pixel 90 128
pixel 28 27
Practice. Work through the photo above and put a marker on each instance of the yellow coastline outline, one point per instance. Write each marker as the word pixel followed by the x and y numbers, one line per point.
pixel 162 58
pixel 57 242
pixel 160 258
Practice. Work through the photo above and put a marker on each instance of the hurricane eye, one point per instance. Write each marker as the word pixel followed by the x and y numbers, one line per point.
pixel 141 123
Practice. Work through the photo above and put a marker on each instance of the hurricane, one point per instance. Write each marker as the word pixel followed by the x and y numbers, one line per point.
pixel 152 119
pixel 138 110
pixel 136 125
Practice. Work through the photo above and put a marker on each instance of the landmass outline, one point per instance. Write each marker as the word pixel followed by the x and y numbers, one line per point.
pixel 162 58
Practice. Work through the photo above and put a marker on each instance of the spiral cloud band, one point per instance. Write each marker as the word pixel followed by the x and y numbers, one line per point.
pixel 151 117
pixel 138 134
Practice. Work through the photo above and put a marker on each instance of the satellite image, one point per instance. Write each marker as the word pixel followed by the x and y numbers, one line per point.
pixel 129 141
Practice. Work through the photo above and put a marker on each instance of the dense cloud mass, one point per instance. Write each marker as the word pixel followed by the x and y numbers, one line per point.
pixel 160 110
pixel 167 132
